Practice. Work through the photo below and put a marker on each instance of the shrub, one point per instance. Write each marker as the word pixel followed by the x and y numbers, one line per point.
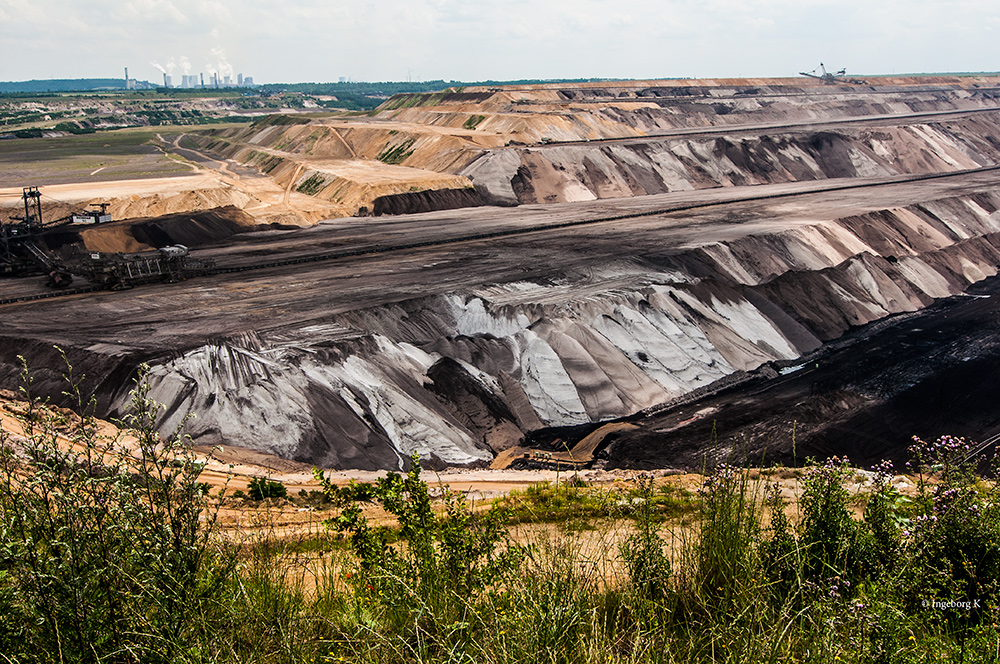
pixel 953 548
pixel 885 517
pixel 648 566
pixel 260 488
pixel 104 545
pixel 836 545
pixel 726 554
pixel 443 563
pixel 780 554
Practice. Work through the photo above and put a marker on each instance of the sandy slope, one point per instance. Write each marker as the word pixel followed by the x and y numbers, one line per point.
pixel 298 171
pixel 248 521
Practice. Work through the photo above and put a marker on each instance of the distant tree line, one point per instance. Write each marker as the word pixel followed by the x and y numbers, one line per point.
pixel 355 96
pixel 62 85
pixel 365 96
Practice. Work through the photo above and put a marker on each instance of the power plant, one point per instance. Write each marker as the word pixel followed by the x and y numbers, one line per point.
pixel 192 81
pixel 189 81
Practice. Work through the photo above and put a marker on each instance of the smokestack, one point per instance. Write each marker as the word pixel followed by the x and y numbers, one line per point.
pixel 202 79
pixel 126 78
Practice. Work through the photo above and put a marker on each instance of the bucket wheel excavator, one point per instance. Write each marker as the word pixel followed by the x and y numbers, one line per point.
pixel 24 252
pixel 831 78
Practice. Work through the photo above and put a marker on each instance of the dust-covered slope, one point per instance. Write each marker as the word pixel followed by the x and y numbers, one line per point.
pixel 580 172
pixel 461 376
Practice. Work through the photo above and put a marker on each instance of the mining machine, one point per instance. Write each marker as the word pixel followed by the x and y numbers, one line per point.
pixel 24 252
pixel 829 78
pixel 21 253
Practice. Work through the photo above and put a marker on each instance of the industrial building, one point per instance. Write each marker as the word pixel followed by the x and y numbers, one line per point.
pixel 190 81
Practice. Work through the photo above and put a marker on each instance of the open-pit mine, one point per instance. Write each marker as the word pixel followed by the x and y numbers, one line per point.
pixel 631 274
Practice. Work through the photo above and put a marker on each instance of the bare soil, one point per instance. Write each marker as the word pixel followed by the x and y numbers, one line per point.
pixel 593 233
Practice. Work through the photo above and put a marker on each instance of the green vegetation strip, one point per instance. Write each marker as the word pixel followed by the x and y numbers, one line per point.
pixel 112 556
pixel 397 154
pixel 574 499
pixel 474 121
pixel 312 185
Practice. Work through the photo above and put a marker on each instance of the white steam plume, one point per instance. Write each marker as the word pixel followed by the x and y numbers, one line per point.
pixel 224 68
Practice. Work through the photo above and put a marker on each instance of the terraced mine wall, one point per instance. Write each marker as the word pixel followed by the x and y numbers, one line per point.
pixel 461 376
pixel 554 145
pixel 606 169
pixel 533 115
pixel 344 165
pixel 590 171
pixel 487 359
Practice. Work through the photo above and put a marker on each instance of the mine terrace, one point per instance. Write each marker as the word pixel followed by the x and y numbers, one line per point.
pixel 609 275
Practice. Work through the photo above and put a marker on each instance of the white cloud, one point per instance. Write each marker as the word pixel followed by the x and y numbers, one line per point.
pixel 150 11
pixel 213 11
pixel 475 39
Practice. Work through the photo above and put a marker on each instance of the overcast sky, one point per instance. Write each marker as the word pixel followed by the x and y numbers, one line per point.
pixel 378 40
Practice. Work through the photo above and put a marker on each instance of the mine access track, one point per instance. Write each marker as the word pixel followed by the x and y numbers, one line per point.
pixel 370 250
pixel 736 92
pixel 813 125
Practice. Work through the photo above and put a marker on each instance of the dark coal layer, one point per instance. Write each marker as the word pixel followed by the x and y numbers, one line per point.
pixel 926 374
pixel 426 201
pixel 192 229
